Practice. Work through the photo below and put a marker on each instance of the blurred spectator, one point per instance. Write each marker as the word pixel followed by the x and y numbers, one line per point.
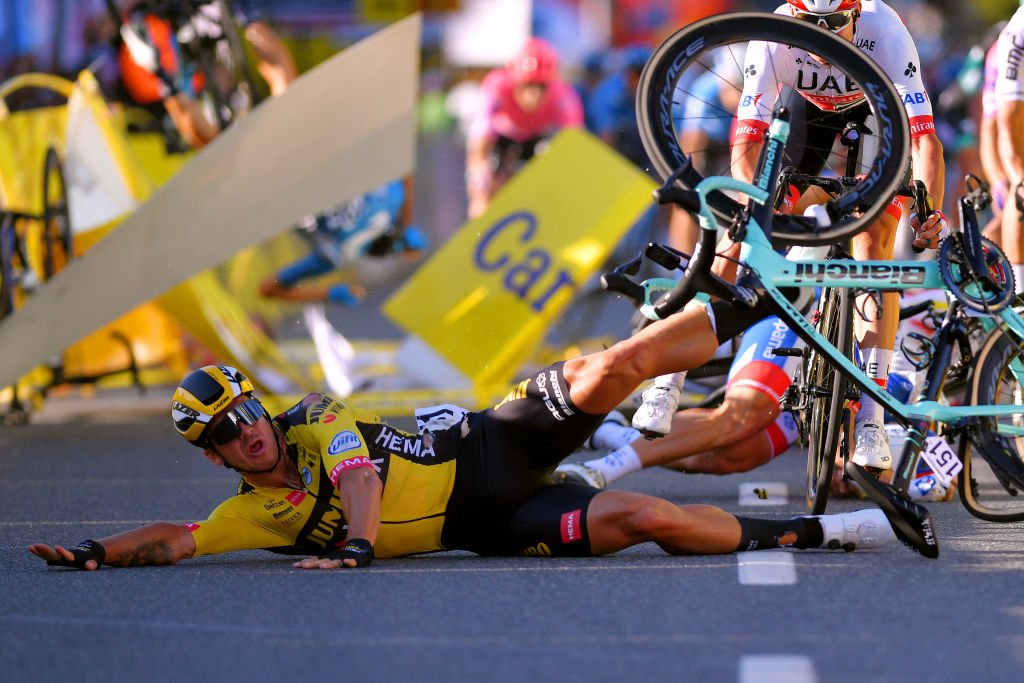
pixel 612 106
pixel 591 76
pixel 185 65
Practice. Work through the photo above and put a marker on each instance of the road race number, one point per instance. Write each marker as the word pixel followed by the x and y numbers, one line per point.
pixel 943 461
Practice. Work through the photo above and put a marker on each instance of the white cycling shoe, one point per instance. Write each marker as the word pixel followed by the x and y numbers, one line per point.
pixel 861 529
pixel 578 473
pixel 871 445
pixel 654 416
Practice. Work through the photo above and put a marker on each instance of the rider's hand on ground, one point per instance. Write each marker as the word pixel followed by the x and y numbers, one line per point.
pixel 58 554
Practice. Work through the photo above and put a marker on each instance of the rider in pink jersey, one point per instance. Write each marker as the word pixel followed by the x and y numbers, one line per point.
pixel 522 104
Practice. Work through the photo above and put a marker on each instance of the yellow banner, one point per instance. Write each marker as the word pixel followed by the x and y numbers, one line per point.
pixel 386 11
pixel 485 300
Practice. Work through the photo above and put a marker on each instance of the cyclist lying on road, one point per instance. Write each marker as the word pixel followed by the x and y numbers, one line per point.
pixel 375 224
pixel 329 479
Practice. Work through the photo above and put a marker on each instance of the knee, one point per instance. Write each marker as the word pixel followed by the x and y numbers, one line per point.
pixel 745 412
pixel 652 518
pixel 624 362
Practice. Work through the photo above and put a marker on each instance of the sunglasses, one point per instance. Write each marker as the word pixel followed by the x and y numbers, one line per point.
pixel 229 428
pixel 836 21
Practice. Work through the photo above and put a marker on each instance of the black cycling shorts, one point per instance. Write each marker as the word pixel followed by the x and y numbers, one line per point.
pixel 504 501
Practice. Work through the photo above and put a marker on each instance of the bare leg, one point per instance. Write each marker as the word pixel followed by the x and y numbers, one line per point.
pixel 876 243
pixel 598 382
pixel 620 519
pixel 741 456
pixel 744 414
pixel 272 288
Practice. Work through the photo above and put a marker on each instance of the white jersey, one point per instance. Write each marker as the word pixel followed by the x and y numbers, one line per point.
pixel 879 34
pixel 1009 85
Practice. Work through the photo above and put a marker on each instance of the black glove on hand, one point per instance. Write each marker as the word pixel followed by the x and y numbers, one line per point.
pixel 358 549
pixel 83 552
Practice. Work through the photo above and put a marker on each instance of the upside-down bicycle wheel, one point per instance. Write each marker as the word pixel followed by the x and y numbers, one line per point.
pixel 826 396
pixel 58 247
pixel 712 52
pixel 7 283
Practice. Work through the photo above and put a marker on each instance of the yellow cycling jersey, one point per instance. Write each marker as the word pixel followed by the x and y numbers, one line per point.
pixel 324 437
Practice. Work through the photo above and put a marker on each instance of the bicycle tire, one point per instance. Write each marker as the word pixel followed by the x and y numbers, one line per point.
pixel 827 397
pixel 981 491
pixel 7 284
pixel 686 47
pixel 58 242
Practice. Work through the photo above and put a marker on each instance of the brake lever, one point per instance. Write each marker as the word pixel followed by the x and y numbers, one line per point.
pixel 923 206
pixel 618 281
pixel 665 256
pixel 621 284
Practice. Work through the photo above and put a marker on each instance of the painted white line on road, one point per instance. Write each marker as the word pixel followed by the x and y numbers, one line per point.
pixel 94 522
pixel 760 493
pixel 766 568
pixel 777 669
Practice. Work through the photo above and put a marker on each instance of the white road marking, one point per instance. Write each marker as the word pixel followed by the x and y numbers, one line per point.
pixel 777 669
pixel 761 493
pixel 766 568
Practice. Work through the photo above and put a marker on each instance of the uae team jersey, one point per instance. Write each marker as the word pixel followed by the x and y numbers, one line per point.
pixel 879 34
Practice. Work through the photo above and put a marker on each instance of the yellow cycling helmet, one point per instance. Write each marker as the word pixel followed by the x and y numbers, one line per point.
pixel 202 395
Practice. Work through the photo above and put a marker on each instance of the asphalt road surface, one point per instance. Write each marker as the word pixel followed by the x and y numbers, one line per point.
pixel 881 615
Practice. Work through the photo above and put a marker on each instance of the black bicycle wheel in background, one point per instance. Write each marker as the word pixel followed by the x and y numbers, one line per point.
pixel 992 485
pixel 58 246
pixel 826 396
pixel 7 285
pixel 714 48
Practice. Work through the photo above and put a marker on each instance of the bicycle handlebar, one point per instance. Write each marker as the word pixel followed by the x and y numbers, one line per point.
pixel 698 276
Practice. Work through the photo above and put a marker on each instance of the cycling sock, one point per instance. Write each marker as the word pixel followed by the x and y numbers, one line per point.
pixel 611 436
pixel 765 534
pixel 876 366
pixel 617 464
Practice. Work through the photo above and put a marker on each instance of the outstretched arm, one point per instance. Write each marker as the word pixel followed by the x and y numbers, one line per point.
pixel 360 490
pixel 155 544
pixel 274 61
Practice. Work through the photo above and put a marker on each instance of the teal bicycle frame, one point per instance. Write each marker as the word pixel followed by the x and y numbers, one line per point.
pixel 774 271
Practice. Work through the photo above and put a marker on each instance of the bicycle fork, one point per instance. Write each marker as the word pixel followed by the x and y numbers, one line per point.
pixel 952 331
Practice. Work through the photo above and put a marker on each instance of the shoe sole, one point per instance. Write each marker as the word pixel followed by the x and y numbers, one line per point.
pixel 920 537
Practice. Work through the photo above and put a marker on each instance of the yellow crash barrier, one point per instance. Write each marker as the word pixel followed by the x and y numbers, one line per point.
pixel 486 299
